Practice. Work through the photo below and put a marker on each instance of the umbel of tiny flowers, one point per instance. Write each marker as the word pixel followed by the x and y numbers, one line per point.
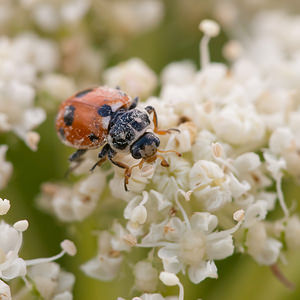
pixel 11 238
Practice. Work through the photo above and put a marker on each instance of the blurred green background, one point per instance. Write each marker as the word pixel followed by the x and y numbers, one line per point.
pixel 177 38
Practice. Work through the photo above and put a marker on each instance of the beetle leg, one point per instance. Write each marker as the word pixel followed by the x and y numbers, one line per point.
pixel 127 172
pixel 102 156
pixel 163 163
pixel 77 158
pixel 169 151
pixel 77 155
pixel 151 109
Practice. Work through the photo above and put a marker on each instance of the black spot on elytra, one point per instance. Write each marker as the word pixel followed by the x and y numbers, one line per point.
pixel 105 111
pixel 93 137
pixel 82 93
pixel 69 115
pixel 61 132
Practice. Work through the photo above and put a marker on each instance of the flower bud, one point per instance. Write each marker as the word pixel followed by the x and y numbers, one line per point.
pixel 168 278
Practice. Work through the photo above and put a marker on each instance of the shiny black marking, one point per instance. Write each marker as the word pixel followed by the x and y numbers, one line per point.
pixel 82 93
pixel 93 137
pixel 62 133
pixel 69 115
pixel 140 122
pixel 105 111
pixel 121 134
pixel 146 146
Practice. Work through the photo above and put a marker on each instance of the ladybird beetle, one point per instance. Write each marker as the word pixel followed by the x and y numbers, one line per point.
pixel 108 117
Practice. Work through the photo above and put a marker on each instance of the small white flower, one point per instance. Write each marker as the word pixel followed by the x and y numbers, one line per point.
pixel 4 291
pixel 146 277
pixel 239 126
pixel 255 212
pixel 4 206
pixel 57 86
pixel 193 244
pixel 11 266
pixel 247 162
pixel 51 282
pixel 32 139
pixel 232 50
pixel 280 140
pixel 106 265
pixel 210 185
pixel 263 249
pixel 73 204
pixel 178 73
pixel 130 17
pixel 49 15
pixel 132 76
pixel 274 165
pixel 292 231
pixel 183 141
pixel 202 147
pixel 178 169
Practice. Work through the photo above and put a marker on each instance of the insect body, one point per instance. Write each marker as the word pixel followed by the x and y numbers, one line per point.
pixel 108 117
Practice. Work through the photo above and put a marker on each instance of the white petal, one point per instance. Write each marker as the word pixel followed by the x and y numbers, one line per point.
pixel 270 252
pixel 168 252
pixel 204 222
pixel 255 212
pixel 102 267
pixel 220 248
pixel 63 296
pixel 15 269
pixel 170 260
pixel 177 229
pixel 155 234
pixel 205 270
pixel 4 291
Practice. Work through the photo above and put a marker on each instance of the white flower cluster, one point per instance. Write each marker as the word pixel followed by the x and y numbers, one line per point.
pixel 129 17
pixel 41 275
pixel 21 59
pixel 51 15
pixel 119 17
pixel 239 136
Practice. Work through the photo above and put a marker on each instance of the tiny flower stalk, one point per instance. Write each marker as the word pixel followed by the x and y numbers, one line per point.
pixel 210 29
pixel 280 276
pixel 67 246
